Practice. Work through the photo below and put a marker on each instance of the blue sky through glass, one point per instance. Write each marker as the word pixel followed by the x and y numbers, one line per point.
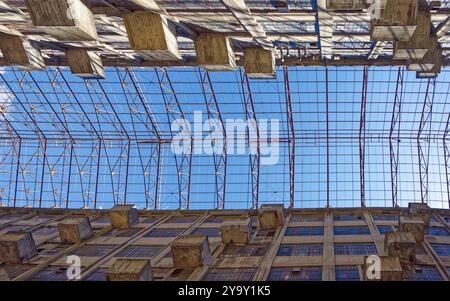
pixel 113 133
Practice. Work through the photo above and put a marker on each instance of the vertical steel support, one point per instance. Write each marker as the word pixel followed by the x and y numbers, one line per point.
pixel 292 141
pixel 394 141
pixel 424 153
pixel 447 157
pixel 362 138
pixel 220 159
pixel 183 161
pixel 143 119
pixel 328 136
pixel 255 157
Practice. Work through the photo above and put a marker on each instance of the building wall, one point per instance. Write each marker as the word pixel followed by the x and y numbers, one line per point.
pixel 315 244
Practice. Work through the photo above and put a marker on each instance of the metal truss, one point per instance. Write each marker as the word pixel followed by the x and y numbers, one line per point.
pixel 183 161
pixel 424 152
pixel 362 139
pixel 291 135
pixel 149 154
pixel 220 158
pixel 255 156
pixel 395 141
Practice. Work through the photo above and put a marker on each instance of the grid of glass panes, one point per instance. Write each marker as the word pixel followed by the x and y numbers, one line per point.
pixel 347 273
pixel 239 274
pixel 355 249
pixel 438 231
pixel 385 217
pixel 348 217
pixel 244 250
pixel 46 230
pixel 385 229
pixel 301 250
pixel 182 219
pixel 424 273
pixel 304 231
pixel 295 274
pixel 306 218
pixel 164 232
pixel 122 232
pixel 98 275
pixel 139 251
pixel 212 232
pixel 94 250
pixel 359 230
pixel 50 274
pixel 441 249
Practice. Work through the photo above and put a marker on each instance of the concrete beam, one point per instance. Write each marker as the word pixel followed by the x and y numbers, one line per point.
pixel 214 52
pixel 325 22
pixel 21 52
pixel 66 20
pixel 152 36
pixel 259 63
pixel 242 13
pixel 348 4
pixel 85 64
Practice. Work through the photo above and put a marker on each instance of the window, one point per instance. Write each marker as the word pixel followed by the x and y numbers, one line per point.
pixel 212 232
pixel 385 217
pixel 296 274
pixel 50 274
pixel 139 251
pixel 40 218
pixel 441 249
pixel 348 217
pixel 241 274
pixel 14 228
pixel 180 275
pixel 221 218
pixel 98 275
pixel 44 231
pixel 94 250
pixel 422 273
pixel 307 218
pixel 438 231
pixel 385 229
pixel 347 273
pixel 148 220
pixel 304 231
pixel 351 231
pixel 162 232
pixel 102 219
pixel 123 232
pixel 247 250
pixel 10 217
pixel 182 219
pixel 301 250
pixel 354 249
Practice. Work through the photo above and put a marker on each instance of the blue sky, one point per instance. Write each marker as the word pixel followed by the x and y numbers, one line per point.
pixel 121 114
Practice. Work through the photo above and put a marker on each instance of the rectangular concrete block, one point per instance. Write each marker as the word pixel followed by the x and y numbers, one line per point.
pixel 348 4
pixel 190 251
pixel 390 269
pixel 66 20
pixel 402 245
pixel 214 52
pixel 259 63
pixel 20 52
pixel 431 63
pixel 4 275
pixel 395 20
pixel 271 216
pixel 236 232
pixel 130 270
pixel 414 225
pixel 15 247
pixel 419 44
pixel 85 64
pixel 123 216
pixel 152 35
pixel 420 210
pixel 75 230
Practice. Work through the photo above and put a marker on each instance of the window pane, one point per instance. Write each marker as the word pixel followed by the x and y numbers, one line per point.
pixel 301 250
pixel 347 273
pixel 296 274
pixel 354 249
pixel 243 274
pixel 304 231
pixel 351 231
